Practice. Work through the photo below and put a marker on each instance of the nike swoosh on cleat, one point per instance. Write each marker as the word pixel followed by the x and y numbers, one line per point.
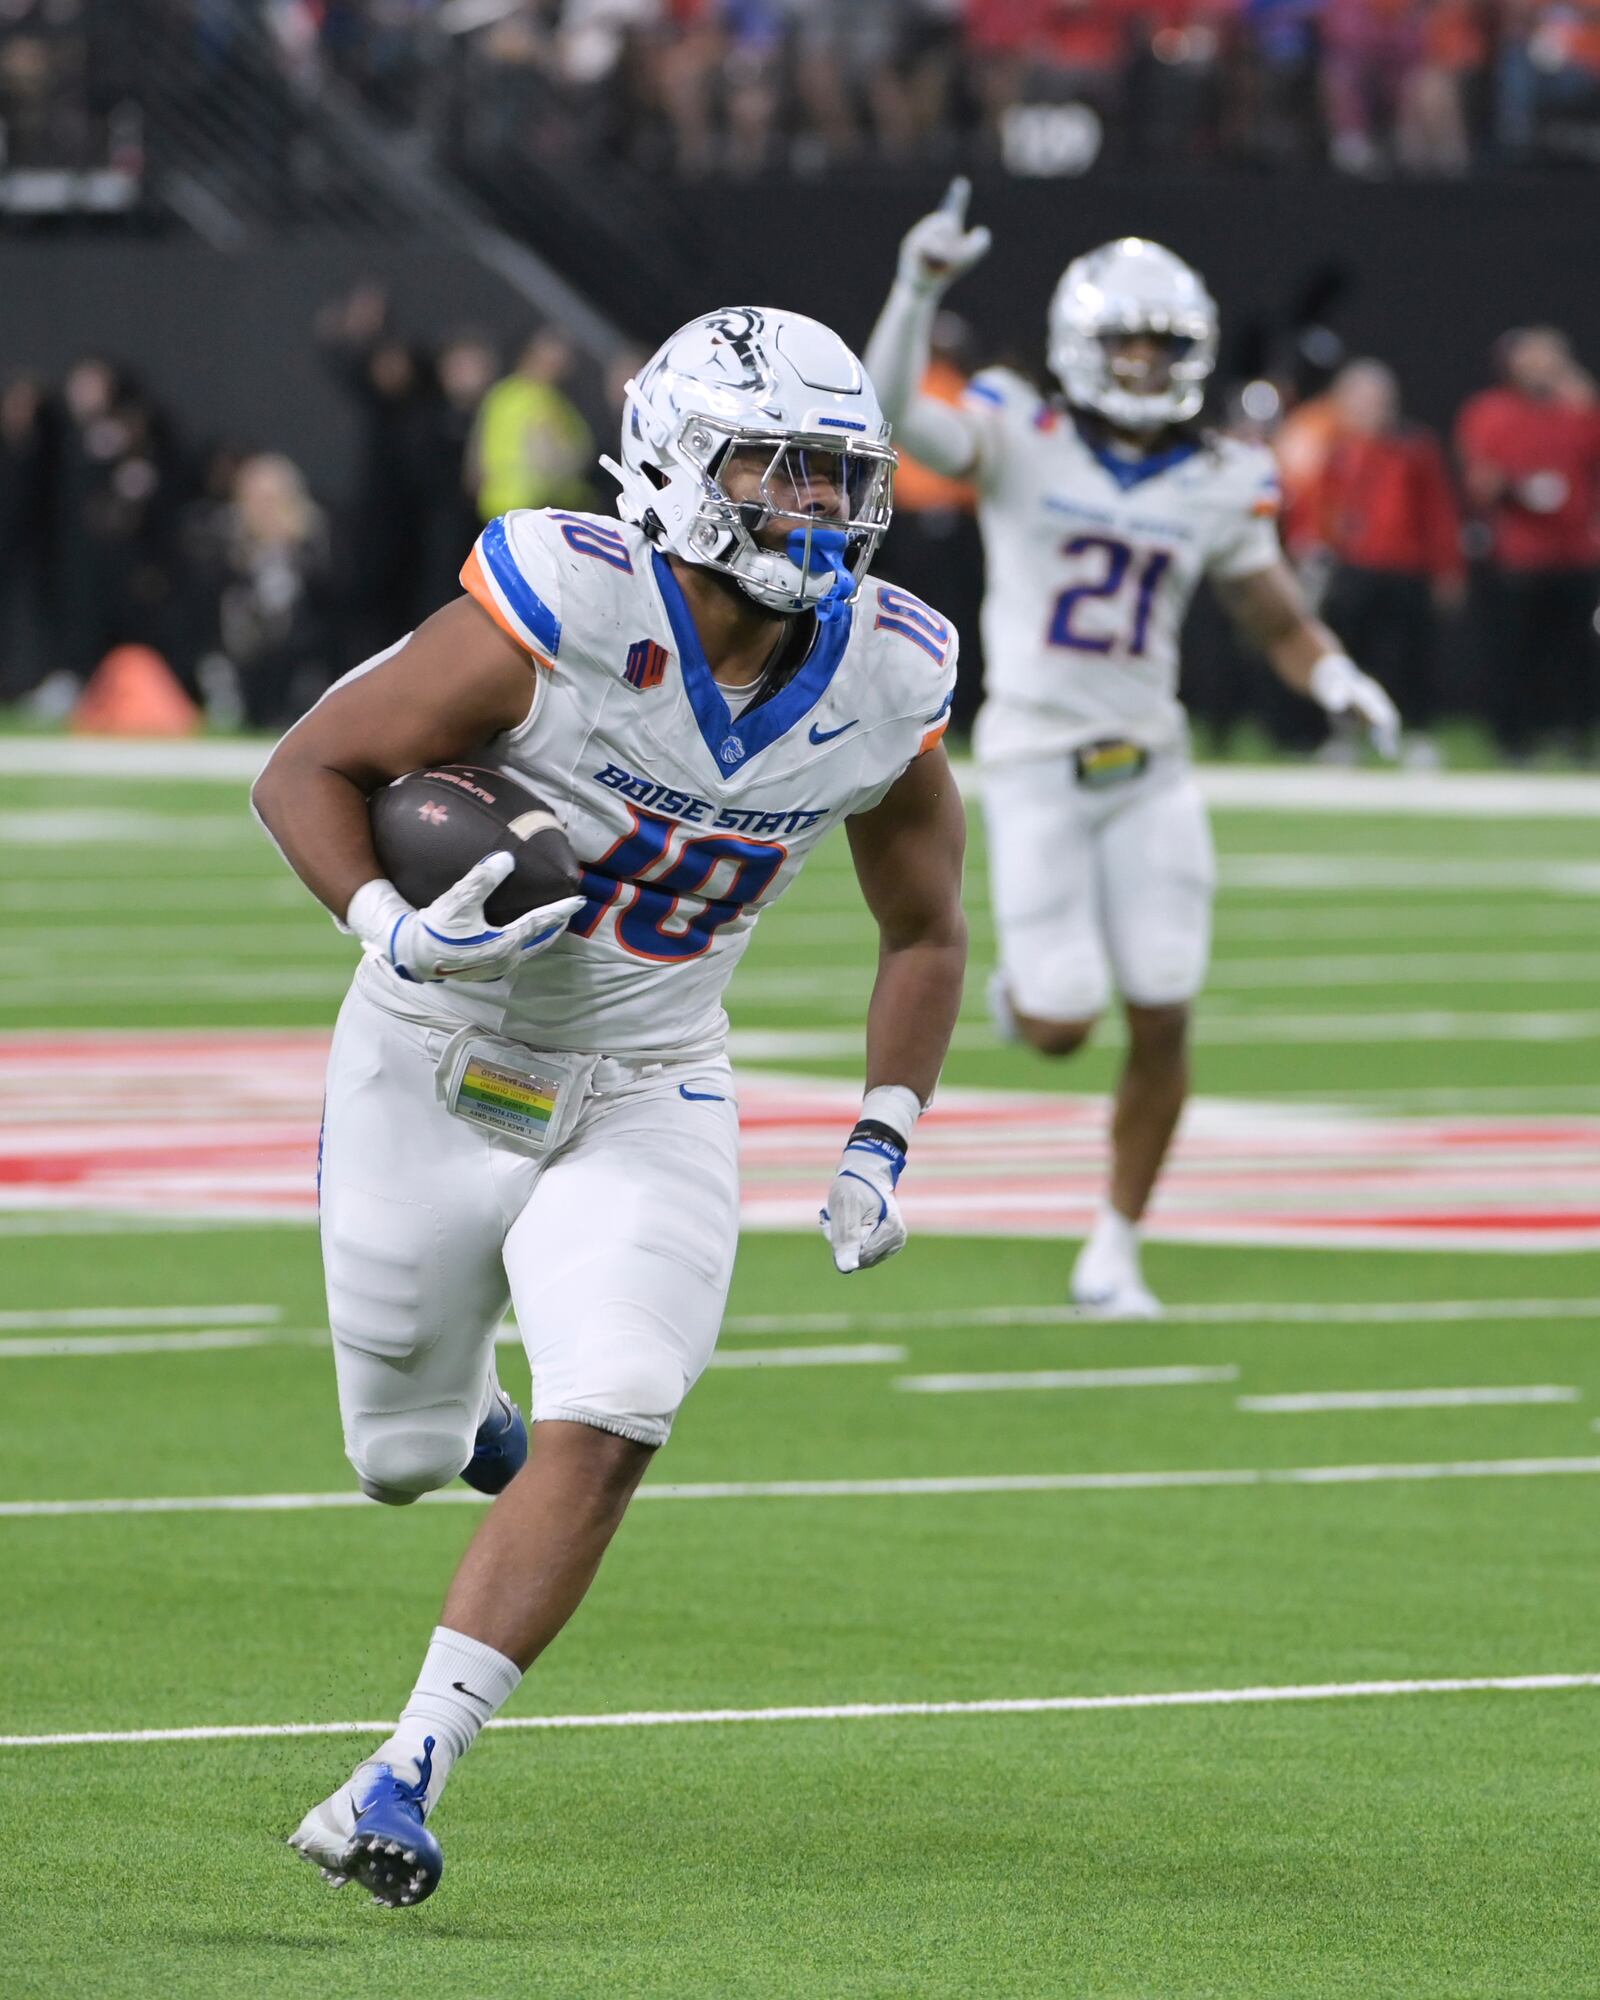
pixel 700 1096
pixel 827 735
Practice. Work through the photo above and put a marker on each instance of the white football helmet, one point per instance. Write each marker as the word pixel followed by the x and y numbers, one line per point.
pixel 1133 286
pixel 779 405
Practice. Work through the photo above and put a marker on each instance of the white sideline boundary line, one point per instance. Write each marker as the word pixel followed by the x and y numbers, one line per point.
pixel 1405 1399
pixel 1291 1313
pixel 1067 1378
pixel 856 1711
pixel 853 1489
pixel 1288 787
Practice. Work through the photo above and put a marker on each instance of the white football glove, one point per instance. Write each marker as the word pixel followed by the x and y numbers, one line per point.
pixel 862 1220
pixel 452 938
pixel 940 248
pixel 1340 686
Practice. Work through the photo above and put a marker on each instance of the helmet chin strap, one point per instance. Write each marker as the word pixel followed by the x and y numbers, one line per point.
pixel 822 552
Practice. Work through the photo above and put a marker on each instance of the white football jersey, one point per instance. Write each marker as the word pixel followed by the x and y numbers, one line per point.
pixel 689 822
pixel 1091 563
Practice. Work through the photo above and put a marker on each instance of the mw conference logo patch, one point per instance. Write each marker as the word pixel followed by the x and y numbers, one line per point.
pixel 647 664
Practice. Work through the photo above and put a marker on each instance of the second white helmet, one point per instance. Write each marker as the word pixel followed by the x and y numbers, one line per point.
pixel 782 399
pixel 1128 287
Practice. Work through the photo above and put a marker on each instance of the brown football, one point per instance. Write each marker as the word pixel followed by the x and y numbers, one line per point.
pixel 431 826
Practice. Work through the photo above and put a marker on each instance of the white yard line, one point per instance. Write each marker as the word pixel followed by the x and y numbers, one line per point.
pixel 1430 968
pixel 25 992
pixel 59 1347
pixel 1423 1024
pixel 1386 875
pixel 1478 795
pixel 1324 920
pixel 1293 1313
pixel 805 1357
pixel 56 827
pixel 229 760
pixel 188 896
pixel 1068 1378
pixel 858 1711
pixel 1212 1029
pixel 854 1489
pixel 29 1321
pixel 258 1327
pixel 110 1222
pixel 1405 1399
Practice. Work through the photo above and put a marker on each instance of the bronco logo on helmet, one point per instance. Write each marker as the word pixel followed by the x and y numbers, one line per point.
pixel 754 444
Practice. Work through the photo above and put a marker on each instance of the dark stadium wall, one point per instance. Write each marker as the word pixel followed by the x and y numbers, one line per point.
pixel 1424 274
pixel 225 343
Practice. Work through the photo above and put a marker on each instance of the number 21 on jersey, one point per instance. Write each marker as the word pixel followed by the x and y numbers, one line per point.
pixel 1121 586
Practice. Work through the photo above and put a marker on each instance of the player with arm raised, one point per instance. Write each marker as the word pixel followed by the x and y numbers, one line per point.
pixel 700 691
pixel 1101 511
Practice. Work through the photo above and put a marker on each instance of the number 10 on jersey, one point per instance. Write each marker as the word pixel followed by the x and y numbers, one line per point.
pixel 1126 585
pixel 674 889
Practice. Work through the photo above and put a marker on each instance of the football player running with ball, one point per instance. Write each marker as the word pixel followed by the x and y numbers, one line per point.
pixel 1101 510
pixel 700 691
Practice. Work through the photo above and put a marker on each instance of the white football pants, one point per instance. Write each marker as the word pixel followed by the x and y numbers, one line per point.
pixel 1091 886
pixel 616 1251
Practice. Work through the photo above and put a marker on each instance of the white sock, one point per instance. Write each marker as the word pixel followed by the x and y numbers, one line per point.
pixel 1114 1231
pixel 462 1683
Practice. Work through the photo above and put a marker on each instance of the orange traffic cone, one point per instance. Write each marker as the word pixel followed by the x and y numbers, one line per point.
pixel 133 692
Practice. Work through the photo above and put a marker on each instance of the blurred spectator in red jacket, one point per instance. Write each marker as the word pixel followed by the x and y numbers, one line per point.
pixel 1384 512
pixel 1530 457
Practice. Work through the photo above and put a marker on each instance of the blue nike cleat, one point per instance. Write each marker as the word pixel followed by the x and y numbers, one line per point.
pixel 500 1450
pixel 371 1831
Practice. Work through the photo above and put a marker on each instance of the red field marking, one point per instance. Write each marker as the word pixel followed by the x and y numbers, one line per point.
pixel 224 1126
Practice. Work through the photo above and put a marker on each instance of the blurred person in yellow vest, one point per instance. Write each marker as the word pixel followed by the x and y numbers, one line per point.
pixel 531 447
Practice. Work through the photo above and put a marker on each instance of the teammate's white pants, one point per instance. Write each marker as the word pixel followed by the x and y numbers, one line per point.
pixel 1090 886
pixel 616 1251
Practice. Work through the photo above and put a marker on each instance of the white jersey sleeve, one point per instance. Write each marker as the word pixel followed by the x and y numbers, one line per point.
pixel 913 662
pixel 1247 533
pixel 1003 408
pixel 514 572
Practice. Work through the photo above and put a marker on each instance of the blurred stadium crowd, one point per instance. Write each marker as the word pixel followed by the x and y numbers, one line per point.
pixel 1368 86
pixel 1465 573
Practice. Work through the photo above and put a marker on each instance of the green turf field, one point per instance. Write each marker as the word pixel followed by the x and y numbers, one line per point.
pixel 1408 1844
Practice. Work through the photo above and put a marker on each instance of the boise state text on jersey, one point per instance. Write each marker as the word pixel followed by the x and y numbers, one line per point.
pixel 688 821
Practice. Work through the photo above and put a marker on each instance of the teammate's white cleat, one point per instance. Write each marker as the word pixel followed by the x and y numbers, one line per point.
pixel 1106 1279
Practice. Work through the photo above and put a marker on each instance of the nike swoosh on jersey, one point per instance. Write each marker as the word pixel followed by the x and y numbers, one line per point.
pixel 700 1096
pixel 827 735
